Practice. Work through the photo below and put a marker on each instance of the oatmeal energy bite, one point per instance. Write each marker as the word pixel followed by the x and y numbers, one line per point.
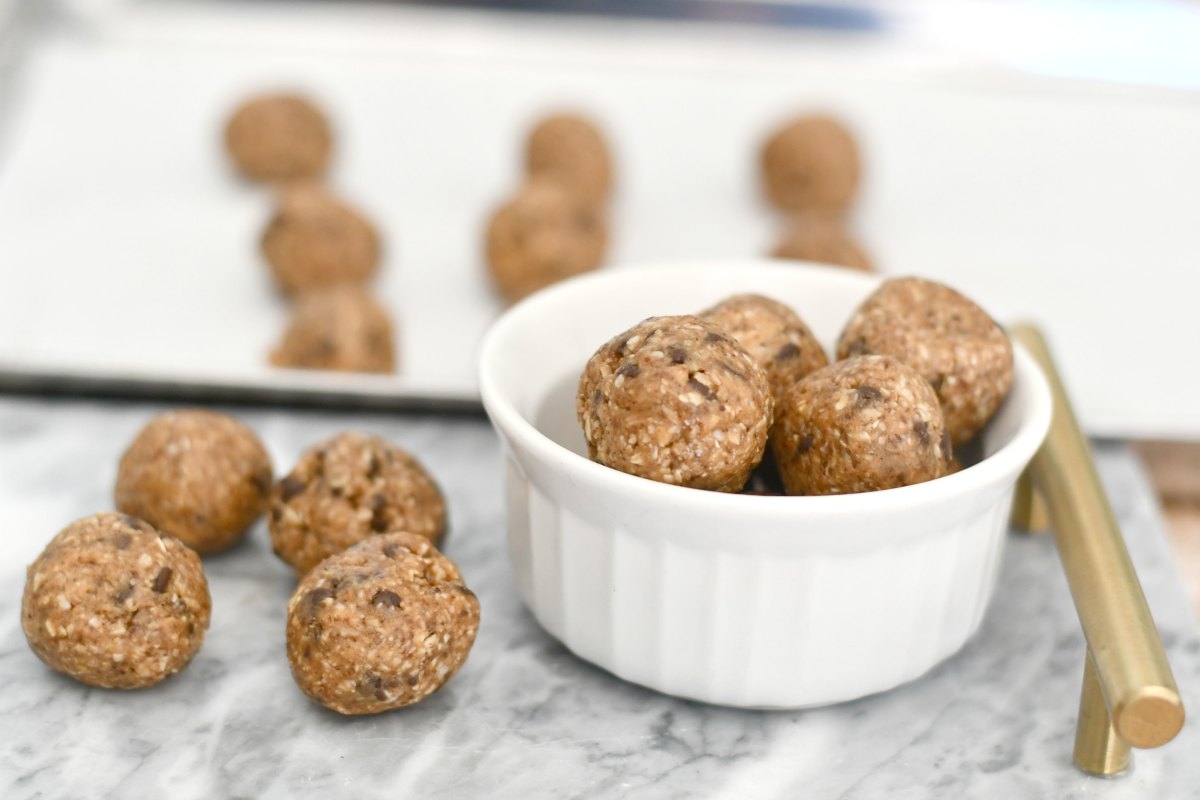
pixel 279 137
pixel 197 475
pixel 773 335
pixel 316 241
pixel 113 603
pixel 347 489
pixel 341 328
pixel 379 626
pixel 821 238
pixel 950 341
pixel 811 164
pixel 542 235
pixel 860 425
pixel 571 150
pixel 677 400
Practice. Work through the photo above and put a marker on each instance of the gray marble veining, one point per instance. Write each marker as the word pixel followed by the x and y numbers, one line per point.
pixel 525 718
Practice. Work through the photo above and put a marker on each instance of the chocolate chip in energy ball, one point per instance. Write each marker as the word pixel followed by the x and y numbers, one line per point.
pixel 279 137
pixel 860 425
pixel 349 488
pixel 964 355
pixel 197 475
pixel 379 626
pixel 700 421
pixel 115 605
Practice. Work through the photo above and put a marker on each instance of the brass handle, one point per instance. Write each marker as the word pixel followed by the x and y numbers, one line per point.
pixel 1140 697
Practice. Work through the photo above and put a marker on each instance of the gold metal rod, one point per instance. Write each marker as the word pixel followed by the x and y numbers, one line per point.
pixel 1139 689
pixel 1098 748
pixel 1029 509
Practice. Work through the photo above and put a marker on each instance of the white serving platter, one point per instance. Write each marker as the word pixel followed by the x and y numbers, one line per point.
pixel 128 249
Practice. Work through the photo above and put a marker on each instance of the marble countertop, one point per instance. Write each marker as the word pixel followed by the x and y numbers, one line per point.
pixel 525 718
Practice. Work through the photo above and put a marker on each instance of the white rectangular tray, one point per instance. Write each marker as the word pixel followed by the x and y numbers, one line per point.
pixel 128 249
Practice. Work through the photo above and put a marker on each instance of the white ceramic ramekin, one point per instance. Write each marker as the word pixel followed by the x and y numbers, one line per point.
pixel 735 599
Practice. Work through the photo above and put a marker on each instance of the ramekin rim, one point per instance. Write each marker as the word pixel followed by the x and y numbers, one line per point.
pixel 990 471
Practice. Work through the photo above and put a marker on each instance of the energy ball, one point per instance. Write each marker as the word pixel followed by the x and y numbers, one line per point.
pixel 278 138
pixel 316 241
pixel 543 235
pixel 676 400
pixel 114 603
pixel 952 342
pixel 347 489
pixel 571 150
pixel 380 626
pixel 860 425
pixel 811 164
pixel 773 335
pixel 197 475
pixel 341 328
pixel 820 238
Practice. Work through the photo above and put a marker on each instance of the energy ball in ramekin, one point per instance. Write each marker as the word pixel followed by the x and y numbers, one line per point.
pixel 197 475
pixel 315 241
pixel 571 150
pixel 773 335
pixel 279 137
pixel 823 239
pixel 342 328
pixel 860 425
pixel 811 164
pixel 542 235
pixel 379 626
pixel 113 603
pixel 676 400
pixel 953 343
pixel 347 489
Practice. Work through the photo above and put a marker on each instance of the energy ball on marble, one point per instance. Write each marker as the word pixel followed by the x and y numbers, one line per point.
pixel 279 137
pixel 820 238
pixel 953 343
pixel 197 475
pixel 860 425
pixel 571 150
pixel 543 235
pixel 342 328
pixel 315 241
pixel 114 603
pixel 811 164
pixel 379 626
pixel 347 489
pixel 773 335
pixel 676 400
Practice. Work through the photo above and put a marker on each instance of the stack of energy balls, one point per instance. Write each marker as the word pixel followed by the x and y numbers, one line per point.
pixel 380 619
pixel 556 225
pixel 811 172
pixel 699 400
pixel 322 252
